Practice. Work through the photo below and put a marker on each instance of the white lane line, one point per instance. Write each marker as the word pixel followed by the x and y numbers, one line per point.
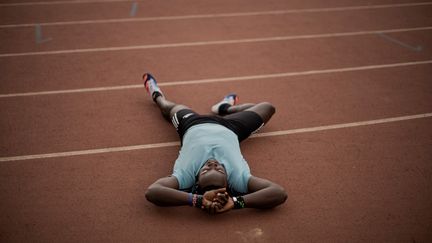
pixel 219 15
pixel 84 90
pixel 221 80
pixel 90 151
pixel 220 42
pixel 342 125
pixel 60 2
pixel 171 144
pixel 391 39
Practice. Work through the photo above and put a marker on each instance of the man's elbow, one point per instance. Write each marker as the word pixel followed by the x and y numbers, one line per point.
pixel 282 195
pixel 151 194
pixel 277 197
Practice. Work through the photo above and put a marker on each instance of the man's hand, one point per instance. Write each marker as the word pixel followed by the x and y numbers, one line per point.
pixel 215 201
pixel 228 206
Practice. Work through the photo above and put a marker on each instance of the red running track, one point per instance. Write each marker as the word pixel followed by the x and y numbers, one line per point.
pixel 358 184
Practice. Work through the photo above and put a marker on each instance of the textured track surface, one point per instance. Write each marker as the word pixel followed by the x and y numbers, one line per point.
pixel 368 183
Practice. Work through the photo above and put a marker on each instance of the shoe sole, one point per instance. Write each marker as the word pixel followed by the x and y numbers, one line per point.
pixel 146 77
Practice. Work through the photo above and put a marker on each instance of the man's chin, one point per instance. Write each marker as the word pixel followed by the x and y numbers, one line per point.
pixel 214 179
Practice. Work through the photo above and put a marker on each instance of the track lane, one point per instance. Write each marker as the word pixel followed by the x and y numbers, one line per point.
pixel 54 2
pixel 84 70
pixel 328 175
pixel 369 183
pixel 177 143
pixel 18 40
pixel 224 80
pixel 58 123
pixel 216 15
pixel 85 11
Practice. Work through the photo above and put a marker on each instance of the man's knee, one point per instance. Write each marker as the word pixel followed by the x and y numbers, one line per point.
pixel 268 107
pixel 177 108
pixel 264 109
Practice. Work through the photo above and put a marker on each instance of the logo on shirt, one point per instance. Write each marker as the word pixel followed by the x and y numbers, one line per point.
pixel 187 115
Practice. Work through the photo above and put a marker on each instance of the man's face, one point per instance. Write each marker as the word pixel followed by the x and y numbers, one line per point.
pixel 212 174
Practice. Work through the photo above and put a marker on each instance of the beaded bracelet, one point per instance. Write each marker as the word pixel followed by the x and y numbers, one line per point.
pixel 196 200
pixel 238 202
pixel 199 201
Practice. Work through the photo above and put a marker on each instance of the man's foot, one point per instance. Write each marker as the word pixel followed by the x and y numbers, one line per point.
pixel 151 86
pixel 221 108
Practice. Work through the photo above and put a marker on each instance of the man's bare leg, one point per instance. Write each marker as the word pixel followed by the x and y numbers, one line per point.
pixel 236 108
pixel 168 108
pixel 264 109
pixel 228 106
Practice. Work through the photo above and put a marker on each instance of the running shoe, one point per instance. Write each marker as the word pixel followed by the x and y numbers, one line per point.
pixel 151 86
pixel 223 105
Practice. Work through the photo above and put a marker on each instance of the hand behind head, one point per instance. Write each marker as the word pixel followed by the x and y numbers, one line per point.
pixel 214 201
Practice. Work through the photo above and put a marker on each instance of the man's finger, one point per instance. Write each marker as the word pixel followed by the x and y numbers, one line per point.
pixel 214 207
pixel 220 190
pixel 218 206
pixel 207 207
pixel 222 210
pixel 227 207
pixel 221 198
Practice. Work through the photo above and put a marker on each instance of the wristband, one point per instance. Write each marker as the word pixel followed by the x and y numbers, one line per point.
pixel 238 202
pixel 190 202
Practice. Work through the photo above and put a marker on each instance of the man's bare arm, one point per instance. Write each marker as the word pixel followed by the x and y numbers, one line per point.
pixel 264 194
pixel 164 192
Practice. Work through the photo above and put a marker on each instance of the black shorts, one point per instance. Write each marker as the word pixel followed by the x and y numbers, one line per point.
pixel 243 123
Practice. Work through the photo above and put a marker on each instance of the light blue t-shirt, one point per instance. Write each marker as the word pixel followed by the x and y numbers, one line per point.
pixel 211 141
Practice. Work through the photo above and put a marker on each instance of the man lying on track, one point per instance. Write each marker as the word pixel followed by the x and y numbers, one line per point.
pixel 210 172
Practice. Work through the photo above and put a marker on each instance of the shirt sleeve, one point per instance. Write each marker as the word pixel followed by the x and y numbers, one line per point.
pixel 240 176
pixel 241 183
pixel 184 170
pixel 185 179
